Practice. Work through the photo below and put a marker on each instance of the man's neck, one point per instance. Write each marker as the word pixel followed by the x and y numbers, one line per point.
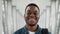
pixel 32 28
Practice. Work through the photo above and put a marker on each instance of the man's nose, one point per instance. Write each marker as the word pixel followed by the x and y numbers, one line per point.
pixel 32 15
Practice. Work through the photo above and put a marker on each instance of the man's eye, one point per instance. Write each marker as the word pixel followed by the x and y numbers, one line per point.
pixel 28 13
pixel 35 13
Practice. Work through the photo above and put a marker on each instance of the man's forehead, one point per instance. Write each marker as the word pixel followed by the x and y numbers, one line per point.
pixel 32 8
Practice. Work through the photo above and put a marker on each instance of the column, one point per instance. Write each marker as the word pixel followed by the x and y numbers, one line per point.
pixel 9 16
pixel 53 17
pixel 20 20
pixel 5 25
pixel 14 18
pixel 48 24
pixel 1 24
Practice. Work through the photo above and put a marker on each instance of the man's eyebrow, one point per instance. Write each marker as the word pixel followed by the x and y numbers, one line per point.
pixel 27 11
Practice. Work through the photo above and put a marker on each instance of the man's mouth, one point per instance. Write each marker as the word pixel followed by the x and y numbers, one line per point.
pixel 32 20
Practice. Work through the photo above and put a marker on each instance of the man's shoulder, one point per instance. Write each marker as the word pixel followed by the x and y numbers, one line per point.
pixel 18 31
pixel 45 30
pixel 22 30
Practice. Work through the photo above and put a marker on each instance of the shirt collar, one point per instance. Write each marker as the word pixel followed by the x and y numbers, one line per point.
pixel 38 29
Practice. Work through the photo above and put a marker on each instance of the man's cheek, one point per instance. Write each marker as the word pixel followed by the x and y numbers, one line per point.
pixel 37 17
pixel 27 18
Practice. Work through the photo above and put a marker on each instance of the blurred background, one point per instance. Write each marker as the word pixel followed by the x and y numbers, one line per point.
pixel 12 15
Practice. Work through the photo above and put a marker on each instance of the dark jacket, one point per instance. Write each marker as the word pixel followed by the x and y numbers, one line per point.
pixel 25 31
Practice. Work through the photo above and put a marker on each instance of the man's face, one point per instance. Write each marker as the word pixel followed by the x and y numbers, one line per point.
pixel 31 15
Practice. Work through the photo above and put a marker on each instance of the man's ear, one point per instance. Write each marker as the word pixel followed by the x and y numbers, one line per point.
pixel 38 16
pixel 24 15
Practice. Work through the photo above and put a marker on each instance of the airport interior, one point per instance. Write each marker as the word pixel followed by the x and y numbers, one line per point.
pixel 12 15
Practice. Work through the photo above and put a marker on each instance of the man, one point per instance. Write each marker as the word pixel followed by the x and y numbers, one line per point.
pixel 32 15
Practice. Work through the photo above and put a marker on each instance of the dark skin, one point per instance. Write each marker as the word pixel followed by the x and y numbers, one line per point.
pixel 31 17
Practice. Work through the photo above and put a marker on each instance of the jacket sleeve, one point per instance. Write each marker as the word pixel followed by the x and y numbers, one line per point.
pixel 17 32
pixel 49 32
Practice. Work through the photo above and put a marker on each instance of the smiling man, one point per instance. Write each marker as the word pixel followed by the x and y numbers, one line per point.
pixel 32 15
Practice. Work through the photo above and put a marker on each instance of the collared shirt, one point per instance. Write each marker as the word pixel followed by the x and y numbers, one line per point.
pixel 24 30
pixel 31 32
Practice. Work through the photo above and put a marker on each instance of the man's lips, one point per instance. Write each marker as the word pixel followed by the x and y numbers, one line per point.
pixel 32 20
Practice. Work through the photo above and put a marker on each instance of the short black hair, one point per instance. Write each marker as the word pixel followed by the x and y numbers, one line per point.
pixel 32 4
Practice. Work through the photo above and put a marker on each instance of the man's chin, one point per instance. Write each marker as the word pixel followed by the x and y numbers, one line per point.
pixel 31 24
